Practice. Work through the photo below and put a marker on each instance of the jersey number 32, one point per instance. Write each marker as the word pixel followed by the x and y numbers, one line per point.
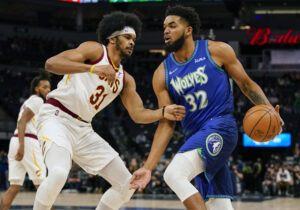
pixel 193 98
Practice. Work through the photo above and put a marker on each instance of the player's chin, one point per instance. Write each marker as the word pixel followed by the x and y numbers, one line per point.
pixel 129 51
pixel 128 55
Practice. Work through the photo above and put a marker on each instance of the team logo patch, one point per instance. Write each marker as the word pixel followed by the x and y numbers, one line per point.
pixel 214 144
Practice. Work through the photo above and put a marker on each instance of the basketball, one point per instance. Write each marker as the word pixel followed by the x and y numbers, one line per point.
pixel 261 123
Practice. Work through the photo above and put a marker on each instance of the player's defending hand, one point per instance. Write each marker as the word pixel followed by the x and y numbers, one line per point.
pixel 106 71
pixel 174 112
pixel 140 178
pixel 281 121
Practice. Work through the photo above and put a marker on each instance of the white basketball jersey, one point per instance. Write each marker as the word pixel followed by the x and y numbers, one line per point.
pixel 34 103
pixel 85 94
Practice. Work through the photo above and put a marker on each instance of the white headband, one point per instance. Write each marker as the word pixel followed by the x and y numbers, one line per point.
pixel 125 30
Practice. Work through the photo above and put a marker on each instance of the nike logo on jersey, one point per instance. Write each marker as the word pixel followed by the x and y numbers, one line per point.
pixel 172 72
pixel 197 60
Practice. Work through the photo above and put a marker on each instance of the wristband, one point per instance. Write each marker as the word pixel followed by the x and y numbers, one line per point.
pixel 163 111
pixel 92 68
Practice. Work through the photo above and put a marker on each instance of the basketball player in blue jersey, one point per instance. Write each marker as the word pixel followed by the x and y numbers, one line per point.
pixel 196 75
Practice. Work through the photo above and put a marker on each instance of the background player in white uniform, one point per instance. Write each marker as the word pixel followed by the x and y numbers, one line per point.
pixel 25 154
pixel 65 119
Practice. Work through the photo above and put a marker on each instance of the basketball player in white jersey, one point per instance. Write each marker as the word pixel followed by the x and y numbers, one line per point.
pixel 93 78
pixel 25 154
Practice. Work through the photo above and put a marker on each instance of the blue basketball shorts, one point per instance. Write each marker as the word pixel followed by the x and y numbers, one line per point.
pixel 215 142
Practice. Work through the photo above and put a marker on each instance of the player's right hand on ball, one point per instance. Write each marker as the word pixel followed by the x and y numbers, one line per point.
pixel 277 107
pixel 106 71
pixel 174 112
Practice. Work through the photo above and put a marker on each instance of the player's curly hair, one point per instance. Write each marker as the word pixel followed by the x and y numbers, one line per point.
pixel 188 14
pixel 43 75
pixel 117 21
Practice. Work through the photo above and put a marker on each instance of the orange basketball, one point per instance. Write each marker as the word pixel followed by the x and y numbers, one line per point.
pixel 261 123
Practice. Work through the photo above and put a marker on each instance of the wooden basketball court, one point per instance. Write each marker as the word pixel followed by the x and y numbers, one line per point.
pixel 24 200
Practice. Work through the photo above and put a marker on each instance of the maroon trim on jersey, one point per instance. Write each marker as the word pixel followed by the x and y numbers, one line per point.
pixel 108 56
pixel 56 103
pixel 27 135
pixel 109 60
pixel 96 61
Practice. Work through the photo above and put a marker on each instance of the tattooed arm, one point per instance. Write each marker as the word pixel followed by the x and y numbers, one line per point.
pixel 224 55
pixel 255 94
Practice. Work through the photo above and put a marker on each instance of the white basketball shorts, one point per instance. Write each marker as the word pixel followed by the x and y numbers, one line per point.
pixel 32 162
pixel 87 148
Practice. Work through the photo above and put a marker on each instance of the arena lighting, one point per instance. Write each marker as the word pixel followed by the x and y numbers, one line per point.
pixel 276 12
pixel 163 52
pixel 245 27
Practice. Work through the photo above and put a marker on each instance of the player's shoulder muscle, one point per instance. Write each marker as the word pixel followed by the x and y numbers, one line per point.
pixel 91 50
pixel 222 52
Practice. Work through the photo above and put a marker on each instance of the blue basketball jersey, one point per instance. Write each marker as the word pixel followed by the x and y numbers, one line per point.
pixel 200 85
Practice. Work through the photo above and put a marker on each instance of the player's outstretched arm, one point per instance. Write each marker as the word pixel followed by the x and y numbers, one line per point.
pixel 224 55
pixel 139 114
pixel 26 116
pixel 72 61
pixel 162 136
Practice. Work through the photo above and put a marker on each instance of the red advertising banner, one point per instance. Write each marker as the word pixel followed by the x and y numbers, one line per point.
pixel 262 36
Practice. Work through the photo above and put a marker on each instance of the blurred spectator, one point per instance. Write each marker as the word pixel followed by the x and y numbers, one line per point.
pixel 74 182
pixel 257 169
pixel 3 170
pixel 140 138
pixel 296 102
pixel 269 182
pixel 95 184
pixel 240 163
pixel 133 166
pixel 237 177
pixel 283 180
pixel 297 180
pixel 248 176
pixel 297 151
pixel 155 185
pixel 141 142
